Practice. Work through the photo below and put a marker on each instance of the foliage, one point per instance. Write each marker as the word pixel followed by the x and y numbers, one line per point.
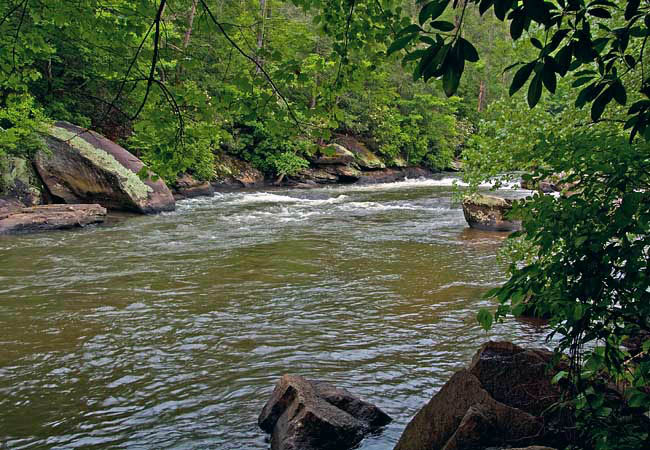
pixel 601 42
pixel 288 163
pixel 20 123
pixel 590 271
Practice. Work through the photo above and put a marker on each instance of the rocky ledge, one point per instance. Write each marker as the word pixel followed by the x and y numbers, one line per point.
pixel 311 415
pixel 16 219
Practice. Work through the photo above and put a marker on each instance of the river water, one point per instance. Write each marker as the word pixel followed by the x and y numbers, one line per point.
pixel 170 331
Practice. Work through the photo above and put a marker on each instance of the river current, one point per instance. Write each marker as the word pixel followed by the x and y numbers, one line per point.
pixel 170 331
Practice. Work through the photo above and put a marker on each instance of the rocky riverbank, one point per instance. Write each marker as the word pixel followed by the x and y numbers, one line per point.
pixel 505 399
pixel 81 167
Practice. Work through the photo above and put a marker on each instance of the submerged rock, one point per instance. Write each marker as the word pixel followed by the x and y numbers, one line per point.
pixel 488 213
pixel 311 415
pixel 50 217
pixel 82 166
pixel 501 400
pixel 19 180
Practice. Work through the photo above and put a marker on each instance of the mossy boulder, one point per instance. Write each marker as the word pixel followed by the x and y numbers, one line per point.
pixel 334 154
pixel 489 213
pixel 19 180
pixel 232 172
pixel 82 166
pixel 365 158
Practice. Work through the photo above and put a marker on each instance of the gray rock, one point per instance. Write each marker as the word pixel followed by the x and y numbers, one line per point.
pixel 488 213
pixel 305 415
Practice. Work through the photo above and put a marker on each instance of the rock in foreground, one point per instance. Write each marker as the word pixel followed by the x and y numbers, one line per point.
pixel 498 402
pixel 312 415
pixel 50 217
pixel 82 166
pixel 488 213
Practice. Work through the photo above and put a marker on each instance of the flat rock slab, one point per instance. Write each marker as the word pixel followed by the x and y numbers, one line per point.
pixel 313 415
pixel 50 217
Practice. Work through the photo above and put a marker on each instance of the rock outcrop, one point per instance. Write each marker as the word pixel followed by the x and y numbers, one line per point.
pixel 49 217
pixel 82 166
pixel 311 415
pixel 501 400
pixel 488 213
pixel 365 158
pixel 18 180
pixel 187 186
pixel 233 173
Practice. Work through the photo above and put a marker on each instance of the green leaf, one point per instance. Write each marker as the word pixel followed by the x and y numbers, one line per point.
pixel 535 90
pixel 400 43
pixel 484 318
pixel 432 10
pixel 521 77
pixel 468 50
pixel 443 25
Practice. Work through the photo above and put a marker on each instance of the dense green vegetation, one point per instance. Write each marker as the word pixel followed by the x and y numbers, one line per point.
pixel 179 81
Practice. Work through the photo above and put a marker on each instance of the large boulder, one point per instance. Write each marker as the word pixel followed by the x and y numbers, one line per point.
pixel 49 217
pixel 500 401
pixel 18 180
pixel 82 166
pixel 232 173
pixel 363 156
pixel 488 213
pixel 334 154
pixel 307 415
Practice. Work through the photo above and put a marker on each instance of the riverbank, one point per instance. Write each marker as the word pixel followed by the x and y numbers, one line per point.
pixel 79 166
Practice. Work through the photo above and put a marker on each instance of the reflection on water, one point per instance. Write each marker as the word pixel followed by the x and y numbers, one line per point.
pixel 170 331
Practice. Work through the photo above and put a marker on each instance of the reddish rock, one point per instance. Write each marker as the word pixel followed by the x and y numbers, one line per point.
pixel 82 166
pixel 502 400
pixel 187 186
pixel 50 217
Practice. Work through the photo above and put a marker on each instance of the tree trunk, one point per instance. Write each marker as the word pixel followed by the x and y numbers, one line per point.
pixel 260 34
pixel 482 96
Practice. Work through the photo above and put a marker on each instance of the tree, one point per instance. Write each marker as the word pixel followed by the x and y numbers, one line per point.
pixel 586 264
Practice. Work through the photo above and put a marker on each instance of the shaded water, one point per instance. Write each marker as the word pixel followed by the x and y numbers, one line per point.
pixel 170 331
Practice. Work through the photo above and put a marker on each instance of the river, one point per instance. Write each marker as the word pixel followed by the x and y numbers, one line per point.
pixel 170 331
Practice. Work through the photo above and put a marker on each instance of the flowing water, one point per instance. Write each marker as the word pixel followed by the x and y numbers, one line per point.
pixel 170 331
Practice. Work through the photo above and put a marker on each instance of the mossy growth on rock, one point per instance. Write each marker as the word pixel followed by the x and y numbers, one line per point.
pixel 131 182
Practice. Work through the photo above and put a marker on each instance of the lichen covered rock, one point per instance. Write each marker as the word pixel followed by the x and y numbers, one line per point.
pixel 363 156
pixel 82 166
pixel 235 173
pixel 488 213
pixel 19 180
